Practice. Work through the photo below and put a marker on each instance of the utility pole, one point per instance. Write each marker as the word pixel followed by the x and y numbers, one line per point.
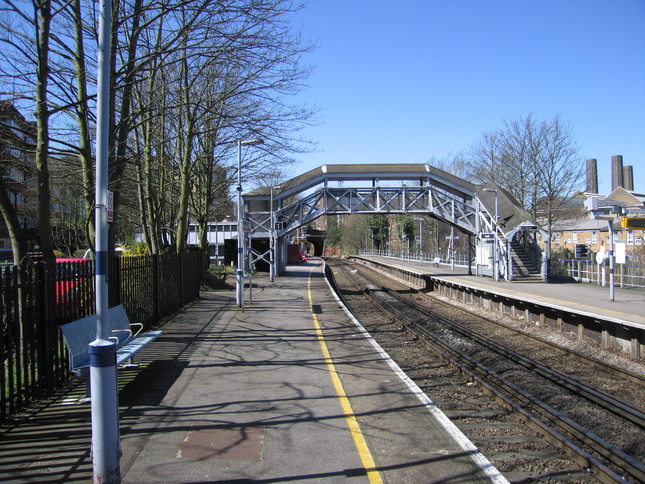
pixel 106 445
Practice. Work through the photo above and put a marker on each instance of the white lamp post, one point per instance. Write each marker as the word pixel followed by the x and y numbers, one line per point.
pixel 239 271
pixel 496 261
pixel 420 220
pixel 272 238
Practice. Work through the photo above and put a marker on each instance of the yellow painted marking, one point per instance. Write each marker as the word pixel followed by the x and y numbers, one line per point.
pixel 363 451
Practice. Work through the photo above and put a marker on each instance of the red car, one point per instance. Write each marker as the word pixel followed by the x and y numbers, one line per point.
pixel 74 284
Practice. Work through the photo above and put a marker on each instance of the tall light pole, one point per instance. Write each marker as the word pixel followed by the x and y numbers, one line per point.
pixel 496 261
pixel 420 220
pixel 239 271
pixel 272 235
pixel 106 444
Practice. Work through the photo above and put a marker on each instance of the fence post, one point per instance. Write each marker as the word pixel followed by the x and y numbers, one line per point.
pixel 181 278
pixel 155 285
pixel 45 329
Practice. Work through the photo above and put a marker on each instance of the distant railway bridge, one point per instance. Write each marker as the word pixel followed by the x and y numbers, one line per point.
pixel 487 213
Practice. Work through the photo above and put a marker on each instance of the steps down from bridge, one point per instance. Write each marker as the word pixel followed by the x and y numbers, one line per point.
pixel 524 269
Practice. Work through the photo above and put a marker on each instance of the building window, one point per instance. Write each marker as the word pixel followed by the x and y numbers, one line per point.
pixel 575 237
pixel 594 237
pixel 630 237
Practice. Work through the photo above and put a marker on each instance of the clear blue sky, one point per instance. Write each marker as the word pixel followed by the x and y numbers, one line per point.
pixel 404 81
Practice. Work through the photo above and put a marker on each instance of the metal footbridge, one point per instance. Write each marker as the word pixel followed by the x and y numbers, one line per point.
pixel 504 233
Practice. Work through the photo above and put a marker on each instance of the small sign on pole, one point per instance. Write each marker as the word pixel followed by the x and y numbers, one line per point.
pixel 110 206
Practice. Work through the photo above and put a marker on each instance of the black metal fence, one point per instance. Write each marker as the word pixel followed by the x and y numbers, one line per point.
pixel 37 298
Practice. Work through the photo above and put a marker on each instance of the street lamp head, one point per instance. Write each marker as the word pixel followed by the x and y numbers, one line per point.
pixel 491 190
pixel 255 141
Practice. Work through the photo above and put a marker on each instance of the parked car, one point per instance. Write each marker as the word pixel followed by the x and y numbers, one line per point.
pixel 6 257
pixel 74 288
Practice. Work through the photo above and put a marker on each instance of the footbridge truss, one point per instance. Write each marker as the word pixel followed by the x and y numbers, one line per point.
pixel 505 235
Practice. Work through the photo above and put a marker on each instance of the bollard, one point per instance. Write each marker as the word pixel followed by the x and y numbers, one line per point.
pixel 106 446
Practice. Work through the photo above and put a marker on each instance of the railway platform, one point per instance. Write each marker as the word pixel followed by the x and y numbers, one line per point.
pixel 288 390
pixel 628 306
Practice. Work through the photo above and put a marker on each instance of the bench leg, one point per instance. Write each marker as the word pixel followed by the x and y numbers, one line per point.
pixel 79 400
pixel 88 390
pixel 131 363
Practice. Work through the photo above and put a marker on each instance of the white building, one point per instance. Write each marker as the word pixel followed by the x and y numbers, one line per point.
pixel 218 233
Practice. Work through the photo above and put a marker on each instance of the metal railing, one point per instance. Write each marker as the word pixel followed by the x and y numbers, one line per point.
pixel 460 260
pixel 37 298
pixel 584 270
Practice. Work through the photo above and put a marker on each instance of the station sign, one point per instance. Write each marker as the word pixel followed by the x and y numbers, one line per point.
pixel 487 236
pixel 110 206
pixel 637 223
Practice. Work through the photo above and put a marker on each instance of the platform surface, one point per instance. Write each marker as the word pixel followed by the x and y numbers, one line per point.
pixel 627 306
pixel 289 390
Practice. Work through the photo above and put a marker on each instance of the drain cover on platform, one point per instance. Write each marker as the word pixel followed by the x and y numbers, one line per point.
pixel 225 444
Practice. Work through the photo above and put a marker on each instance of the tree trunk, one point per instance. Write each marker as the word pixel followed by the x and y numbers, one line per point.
pixel 85 147
pixel 42 128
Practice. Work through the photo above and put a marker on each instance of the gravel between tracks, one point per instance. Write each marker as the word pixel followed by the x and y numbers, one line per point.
pixel 457 396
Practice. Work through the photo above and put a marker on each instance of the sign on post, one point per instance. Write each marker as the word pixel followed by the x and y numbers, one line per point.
pixel 110 206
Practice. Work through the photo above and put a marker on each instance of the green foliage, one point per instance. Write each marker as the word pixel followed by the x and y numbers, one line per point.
pixel 406 222
pixel 380 230
pixel 334 232
pixel 136 249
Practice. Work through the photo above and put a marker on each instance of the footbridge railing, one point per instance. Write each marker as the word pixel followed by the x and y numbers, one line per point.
pixel 487 212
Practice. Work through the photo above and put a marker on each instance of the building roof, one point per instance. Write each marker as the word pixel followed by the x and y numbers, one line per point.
pixel 630 198
pixel 366 172
pixel 581 225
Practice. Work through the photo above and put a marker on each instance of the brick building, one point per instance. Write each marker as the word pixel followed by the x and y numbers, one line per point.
pixel 17 167
pixel 592 227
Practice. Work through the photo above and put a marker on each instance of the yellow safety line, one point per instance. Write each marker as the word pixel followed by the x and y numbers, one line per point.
pixel 363 451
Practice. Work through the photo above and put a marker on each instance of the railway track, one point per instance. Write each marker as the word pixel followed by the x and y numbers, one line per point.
pixel 543 418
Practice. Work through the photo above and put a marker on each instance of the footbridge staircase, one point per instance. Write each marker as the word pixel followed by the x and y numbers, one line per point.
pixel 503 233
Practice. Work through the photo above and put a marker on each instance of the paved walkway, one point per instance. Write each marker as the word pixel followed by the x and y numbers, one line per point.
pixel 290 390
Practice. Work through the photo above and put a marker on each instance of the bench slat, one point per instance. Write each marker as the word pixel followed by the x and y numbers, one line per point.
pixel 129 350
pixel 80 333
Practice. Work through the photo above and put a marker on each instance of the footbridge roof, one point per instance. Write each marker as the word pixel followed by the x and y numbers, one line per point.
pixel 421 172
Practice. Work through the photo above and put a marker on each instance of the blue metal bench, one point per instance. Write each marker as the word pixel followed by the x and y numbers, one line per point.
pixel 80 333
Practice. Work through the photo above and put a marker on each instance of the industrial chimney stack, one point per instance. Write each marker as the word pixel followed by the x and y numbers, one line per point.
pixel 628 177
pixel 616 172
pixel 592 175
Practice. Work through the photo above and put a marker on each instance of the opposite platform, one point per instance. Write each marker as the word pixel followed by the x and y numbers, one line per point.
pixel 628 306
pixel 290 390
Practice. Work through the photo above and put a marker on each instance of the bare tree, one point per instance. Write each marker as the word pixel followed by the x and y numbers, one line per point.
pixel 188 80
pixel 560 169
pixel 538 162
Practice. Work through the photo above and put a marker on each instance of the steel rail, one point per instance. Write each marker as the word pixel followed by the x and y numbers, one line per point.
pixel 473 368
pixel 601 399
pixel 619 372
